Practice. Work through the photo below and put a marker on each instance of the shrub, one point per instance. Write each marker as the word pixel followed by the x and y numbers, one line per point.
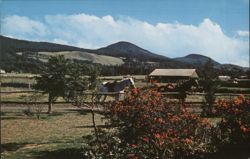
pixel 28 111
pixel 235 123
pixel 150 127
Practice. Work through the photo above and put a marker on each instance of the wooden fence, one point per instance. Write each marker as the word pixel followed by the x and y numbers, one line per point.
pixel 166 94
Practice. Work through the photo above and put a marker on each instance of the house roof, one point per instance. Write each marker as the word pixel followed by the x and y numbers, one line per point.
pixel 175 72
pixel 2 71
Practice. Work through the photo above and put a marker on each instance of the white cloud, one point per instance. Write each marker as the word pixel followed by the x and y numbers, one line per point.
pixel 170 39
pixel 243 33
pixel 60 41
pixel 23 26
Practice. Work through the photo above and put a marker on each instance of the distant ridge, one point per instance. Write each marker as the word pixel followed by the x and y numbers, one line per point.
pixel 12 44
pixel 117 53
pixel 129 50
pixel 197 60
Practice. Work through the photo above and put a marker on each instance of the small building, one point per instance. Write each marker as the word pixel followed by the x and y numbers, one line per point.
pixel 224 78
pixel 173 75
pixel 2 71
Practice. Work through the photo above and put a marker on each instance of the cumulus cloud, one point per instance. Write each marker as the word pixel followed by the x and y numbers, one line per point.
pixel 60 41
pixel 169 39
pixel 23 26
pixel 243 33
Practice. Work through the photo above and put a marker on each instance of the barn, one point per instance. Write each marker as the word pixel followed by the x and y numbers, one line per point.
pixel 173 75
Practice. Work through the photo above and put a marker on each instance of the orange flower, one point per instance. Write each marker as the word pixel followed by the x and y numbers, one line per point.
pixel 205 122
pixel 164 135
pixel 242 97
pixel 243 129
pixel 146 139
pixel 248 102
pixel 161 121
pixel 188 141
pixel 161 143
pixel 130 155
pixel 135 91
pixel 185 131
pixel 193 116
pixel 174 139
pixel 157 135
pixel 133 145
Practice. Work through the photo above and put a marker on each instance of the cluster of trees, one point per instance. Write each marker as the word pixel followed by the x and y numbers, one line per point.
pixel 61 77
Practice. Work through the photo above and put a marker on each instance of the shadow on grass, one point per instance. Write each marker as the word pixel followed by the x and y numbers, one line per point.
pixel 56 114
pixel 238 151
pixel 2 113
pixel 66 153
pixel 80 111
pixel 11 117
pixel 91 126
pixel 11 146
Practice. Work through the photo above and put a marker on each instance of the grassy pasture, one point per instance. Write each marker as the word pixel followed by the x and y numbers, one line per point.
pixel 58 135
pixel 84 56
pixel 54 136
pixel 29 78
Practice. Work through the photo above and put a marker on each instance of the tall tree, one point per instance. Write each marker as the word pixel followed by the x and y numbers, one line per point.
pixel 53 79
pixel 210 85
pixel 76 83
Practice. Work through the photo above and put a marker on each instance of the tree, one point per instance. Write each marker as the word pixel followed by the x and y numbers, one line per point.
pixel 53 79
pixel 210 85
pixel 76 83
pixel 95 82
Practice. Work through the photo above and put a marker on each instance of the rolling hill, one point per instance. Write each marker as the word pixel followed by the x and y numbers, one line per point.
pixel 115 54
pixel 197 60
pixel 11 48
pixel 129 50
pixel 83 56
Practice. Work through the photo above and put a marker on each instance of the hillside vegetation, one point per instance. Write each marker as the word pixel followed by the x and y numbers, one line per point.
pixel 82 56
pixel 116 59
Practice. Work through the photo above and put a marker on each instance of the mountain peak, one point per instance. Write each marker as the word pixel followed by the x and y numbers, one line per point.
pixel 129 50
pixel 196 59
pixel 196 56
pixel 125 46
pixel 123 43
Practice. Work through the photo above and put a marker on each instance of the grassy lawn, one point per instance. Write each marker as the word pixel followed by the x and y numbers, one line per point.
pixel 55 136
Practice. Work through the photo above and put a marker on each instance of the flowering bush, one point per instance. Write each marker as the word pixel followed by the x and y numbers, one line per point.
pixel 152 128
pixel 235 123
pixel 145 125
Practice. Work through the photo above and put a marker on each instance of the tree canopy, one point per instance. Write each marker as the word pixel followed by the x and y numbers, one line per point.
pixel 62 78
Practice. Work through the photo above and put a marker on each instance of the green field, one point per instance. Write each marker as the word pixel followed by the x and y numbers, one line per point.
pixel 140 81
pixel 59 135
pixel 84 56
pixel 53 136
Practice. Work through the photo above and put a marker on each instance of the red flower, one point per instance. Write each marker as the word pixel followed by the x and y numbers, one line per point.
pixel 133 145
pixel 161 121
pixel 243 129
pixel 130 155
pixel 146 139
pixel 157 135
pixel 188 141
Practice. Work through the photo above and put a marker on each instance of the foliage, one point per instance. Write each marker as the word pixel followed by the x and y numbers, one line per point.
pixel 53 79
pixel 94 81
pixel 65 78
pixel 76 83
pixel 210 85
pixel 32 107
pixel 235 123
pixel 150 127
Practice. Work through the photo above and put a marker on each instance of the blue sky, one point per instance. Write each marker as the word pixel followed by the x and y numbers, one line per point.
pixel 216 28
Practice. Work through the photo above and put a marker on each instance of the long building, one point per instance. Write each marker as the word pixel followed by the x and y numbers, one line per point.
pixel 173 75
